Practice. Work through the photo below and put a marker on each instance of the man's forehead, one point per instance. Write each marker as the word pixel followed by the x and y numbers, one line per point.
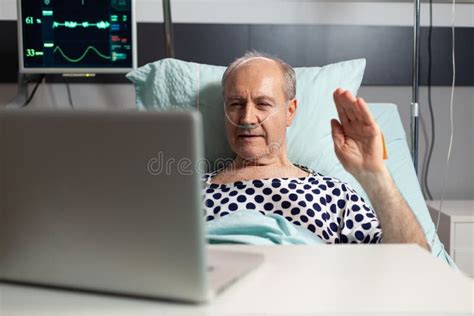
pixel 254 87
pixel 263 76
pixel 264 69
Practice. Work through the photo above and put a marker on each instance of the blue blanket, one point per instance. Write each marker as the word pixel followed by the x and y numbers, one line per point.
pixel 252 228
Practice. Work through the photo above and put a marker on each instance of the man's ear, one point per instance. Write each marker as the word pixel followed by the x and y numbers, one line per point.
pixel 291 111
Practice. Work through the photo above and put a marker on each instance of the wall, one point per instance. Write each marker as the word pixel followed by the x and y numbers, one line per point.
pixel 391 13
pixel 382 12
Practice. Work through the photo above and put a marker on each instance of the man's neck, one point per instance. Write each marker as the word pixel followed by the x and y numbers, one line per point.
pixel 242 169
pixel 280 161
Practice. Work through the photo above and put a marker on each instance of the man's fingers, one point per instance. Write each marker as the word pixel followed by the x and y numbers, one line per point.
pixel 346 99
pixel 344 116
pixel 337 134
pixel 349 104
pixel 340 109
pixel 357 110
pixel 364 112
pixel 346 102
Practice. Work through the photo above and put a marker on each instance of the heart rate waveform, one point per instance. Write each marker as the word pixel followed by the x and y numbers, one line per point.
pixel 78 59
pixel 72 24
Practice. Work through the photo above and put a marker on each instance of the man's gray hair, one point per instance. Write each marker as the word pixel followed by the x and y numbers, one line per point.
pixel 289 76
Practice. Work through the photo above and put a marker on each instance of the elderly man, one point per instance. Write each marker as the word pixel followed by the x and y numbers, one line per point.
pixel 259 94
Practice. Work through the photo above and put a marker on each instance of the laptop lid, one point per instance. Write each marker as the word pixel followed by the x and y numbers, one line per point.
pixel 103 201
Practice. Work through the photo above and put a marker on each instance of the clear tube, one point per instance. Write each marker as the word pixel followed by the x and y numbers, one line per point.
pixel 451 120
pixel 250 126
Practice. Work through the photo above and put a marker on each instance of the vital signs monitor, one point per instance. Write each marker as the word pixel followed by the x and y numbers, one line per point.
pixel 76 36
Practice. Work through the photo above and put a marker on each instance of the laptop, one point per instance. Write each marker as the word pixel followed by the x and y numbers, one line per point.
pixel 109 202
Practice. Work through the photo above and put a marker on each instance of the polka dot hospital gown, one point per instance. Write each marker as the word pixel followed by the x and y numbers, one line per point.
pixel 326 206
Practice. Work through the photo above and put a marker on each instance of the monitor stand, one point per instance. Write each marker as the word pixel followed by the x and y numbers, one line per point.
pixel 22 95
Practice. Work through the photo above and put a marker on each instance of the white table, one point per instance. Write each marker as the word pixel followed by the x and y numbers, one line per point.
pixel 293 280
pixel 456 230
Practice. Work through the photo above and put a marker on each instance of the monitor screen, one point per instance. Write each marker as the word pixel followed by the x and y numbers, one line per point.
pixel 76 36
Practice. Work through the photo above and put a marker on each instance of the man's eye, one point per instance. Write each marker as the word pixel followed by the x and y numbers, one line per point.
pixel 234 105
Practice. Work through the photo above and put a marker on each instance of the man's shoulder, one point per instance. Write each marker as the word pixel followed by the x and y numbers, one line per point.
pixel 206 176
pixel 329 181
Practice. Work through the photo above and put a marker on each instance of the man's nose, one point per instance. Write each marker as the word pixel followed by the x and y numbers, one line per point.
pixel 248 114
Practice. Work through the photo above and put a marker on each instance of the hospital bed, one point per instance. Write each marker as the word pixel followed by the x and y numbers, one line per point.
pixel 171 84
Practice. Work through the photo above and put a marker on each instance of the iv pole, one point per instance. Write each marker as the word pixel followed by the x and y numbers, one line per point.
pixel 168 29
pixel 414 123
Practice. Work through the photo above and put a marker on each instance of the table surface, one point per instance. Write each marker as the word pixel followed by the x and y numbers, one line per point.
pixel 297 280
pixel 459 208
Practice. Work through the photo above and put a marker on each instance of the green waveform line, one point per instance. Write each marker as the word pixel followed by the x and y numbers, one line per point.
pixel 76 60
pixel 85 24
